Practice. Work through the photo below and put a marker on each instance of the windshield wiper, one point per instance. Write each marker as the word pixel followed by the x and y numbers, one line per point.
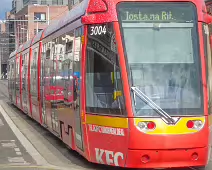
pixel 148 101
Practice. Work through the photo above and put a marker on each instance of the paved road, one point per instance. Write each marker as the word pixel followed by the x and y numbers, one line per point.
pixel 11 150
pixel 33 147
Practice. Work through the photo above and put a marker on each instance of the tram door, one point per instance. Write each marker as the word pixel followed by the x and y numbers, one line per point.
pixel 43 56
pixel 13 80
pixel 77 86
pixel 56 82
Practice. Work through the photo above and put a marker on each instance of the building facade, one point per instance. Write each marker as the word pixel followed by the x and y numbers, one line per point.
pixel 45 2
pixel 4 49
pixel 26 18
pixel 34 18
pixel 10 29
pixel 17 5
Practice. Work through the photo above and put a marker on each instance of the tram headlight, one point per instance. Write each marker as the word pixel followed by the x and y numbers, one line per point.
pixel 146 126
pixel 195 124
pixel 142 125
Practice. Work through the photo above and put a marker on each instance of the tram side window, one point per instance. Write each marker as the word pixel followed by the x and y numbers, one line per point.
pixel 67 68
pixel 17 73
pixel 27 62
pixel 23 71
pixel 104 90
pixel 17 69
pixel 8 75
pixel 13 74
pixel 69 47
pixel 47 67
pixel 34 72
pixel 60 57
pixel 48 54
pixel 12 71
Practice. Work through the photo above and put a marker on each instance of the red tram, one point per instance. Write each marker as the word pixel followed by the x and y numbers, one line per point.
pixel 123 82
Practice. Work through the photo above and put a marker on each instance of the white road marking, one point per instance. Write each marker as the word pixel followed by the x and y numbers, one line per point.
pixel 19 160
pixel 8 145
pixel 24 141
pixel 18 153
pixel 17 149
pixel 16 160
pixel 1 123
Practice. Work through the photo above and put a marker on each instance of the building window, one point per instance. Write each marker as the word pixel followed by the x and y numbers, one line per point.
pixel 104 90
pixel 54 2
pixel 40 16
pixel 73 2
pixel 60 2
pixel 57 2
pixel 25 2
pixel 12 4
pixel 43 2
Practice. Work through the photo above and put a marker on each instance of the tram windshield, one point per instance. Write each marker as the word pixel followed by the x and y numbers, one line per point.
pixel 161 45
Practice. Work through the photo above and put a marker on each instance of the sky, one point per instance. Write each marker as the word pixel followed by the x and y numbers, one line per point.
pixel 5 5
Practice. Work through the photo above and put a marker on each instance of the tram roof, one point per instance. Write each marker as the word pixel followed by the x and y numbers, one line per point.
pixel 72 15
pixel 27 44
pixel 37 37
pixel 20 48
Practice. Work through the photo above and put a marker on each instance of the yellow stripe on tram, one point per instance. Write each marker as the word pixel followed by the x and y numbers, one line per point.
pixel 115 122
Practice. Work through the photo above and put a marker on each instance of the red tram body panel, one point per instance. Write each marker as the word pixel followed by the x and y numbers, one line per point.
pixel 111 83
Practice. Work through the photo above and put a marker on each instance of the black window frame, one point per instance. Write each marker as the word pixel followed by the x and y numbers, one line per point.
pixel 201 109
pixel 115 112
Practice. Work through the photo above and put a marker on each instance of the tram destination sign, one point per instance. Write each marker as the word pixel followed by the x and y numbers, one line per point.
pixel 157 13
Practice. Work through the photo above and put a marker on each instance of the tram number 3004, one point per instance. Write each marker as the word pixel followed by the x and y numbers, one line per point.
pixel 98 30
